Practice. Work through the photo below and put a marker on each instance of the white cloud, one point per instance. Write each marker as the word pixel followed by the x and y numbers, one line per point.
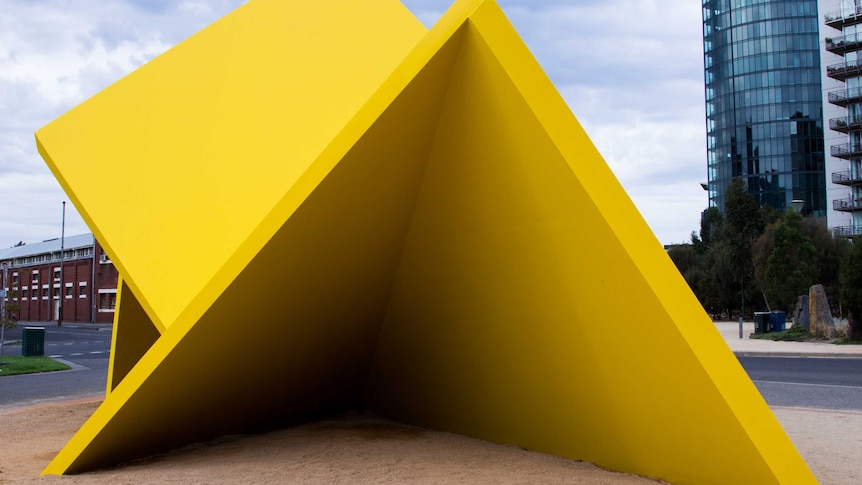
pixel 630 70
pixel 53 55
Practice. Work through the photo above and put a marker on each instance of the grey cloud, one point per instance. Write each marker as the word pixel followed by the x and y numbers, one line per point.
pixel 618 63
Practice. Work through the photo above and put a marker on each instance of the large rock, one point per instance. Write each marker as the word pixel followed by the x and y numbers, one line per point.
pixel 800 314
pixel 819 313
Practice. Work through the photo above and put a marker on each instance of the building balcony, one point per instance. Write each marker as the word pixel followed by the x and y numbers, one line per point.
pixel 846 151
pixel 845 124
pixel 847 177
pixel 847 231
pixel 843 97
pixel 844 70
pixel 848 16
pixel 847 205
pixel 844 43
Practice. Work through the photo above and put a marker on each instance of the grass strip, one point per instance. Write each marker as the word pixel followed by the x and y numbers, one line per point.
pixel 14 365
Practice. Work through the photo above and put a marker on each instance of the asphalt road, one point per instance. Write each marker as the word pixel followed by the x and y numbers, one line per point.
pixel 833 383
pixel 86 350
pixel 823 383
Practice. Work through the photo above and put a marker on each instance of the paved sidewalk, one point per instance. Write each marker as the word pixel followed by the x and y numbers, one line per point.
pixel 105 327
pixel 758 347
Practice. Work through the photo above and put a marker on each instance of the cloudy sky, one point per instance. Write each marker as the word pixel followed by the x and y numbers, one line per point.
pixel 631 71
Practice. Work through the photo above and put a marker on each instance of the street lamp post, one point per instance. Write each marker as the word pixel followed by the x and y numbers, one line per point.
pixel 3 311
pixel 62 292
pixel 742 305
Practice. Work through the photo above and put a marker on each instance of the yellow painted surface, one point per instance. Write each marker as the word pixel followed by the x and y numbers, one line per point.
pixel 506 323
pixel 453 255
pixel 133 334
pixel 240 110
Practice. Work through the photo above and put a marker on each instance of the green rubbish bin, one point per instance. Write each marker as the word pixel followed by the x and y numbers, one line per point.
pixel 33 341
pixel 761 322
pixel 778 320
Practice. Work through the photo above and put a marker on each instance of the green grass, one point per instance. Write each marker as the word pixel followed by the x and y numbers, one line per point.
pixel 29 365
pixel 796 333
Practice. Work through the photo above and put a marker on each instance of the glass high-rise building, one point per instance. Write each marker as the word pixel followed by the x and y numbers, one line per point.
pixel 764 108
pixel 842 54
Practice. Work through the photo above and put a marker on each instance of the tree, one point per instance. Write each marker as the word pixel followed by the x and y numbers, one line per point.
pixel 851 289
pixel 718 290
pixel 11 308
pixel 791 267
pixel 760 252
pixel 711 223
pixel 687 261
pixel 831 253
pixel 742 226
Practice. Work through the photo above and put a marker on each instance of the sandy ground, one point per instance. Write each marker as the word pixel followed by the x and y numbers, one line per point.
pixel 350 449
pixel 360 449
pixel 830 442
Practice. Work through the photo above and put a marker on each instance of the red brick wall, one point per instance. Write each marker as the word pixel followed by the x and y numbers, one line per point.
pixel 76 309
pixel 106 279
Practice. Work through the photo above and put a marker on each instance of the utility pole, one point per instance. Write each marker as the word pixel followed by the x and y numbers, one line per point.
pixel 62 292
pixel 742 304
pixel 3 311
pixel 93 284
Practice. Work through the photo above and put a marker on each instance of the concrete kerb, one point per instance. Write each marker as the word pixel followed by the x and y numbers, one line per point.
pixel 808 355
pixel 102 327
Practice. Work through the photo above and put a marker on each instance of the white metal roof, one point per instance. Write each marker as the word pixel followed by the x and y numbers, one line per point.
pixel 49 246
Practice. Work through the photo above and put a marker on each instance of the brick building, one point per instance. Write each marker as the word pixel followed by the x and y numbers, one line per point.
pixel 35 281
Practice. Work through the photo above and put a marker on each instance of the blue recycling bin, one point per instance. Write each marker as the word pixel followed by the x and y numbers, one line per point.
pixel 778 320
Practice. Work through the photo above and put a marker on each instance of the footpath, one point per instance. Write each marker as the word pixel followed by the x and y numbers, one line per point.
pixel 750 347
pixel 828 440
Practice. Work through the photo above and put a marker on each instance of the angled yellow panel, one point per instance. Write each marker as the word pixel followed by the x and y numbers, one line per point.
pixel 239 111
pixel 444 246
pixel 505 320
pixel 133 334
pixel 316 292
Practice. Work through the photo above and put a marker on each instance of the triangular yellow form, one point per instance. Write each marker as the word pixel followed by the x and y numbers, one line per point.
pixel 134 334
pixel 429 234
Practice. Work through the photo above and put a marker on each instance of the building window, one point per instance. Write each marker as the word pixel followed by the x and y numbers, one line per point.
pixel 45 293
pixel 15 278
pixel 57 274
pixel 107 300
pixel 82 289
pixel 24 292
pixel 104 259
pixel 56 293
pixel 68 291
pixel 35 276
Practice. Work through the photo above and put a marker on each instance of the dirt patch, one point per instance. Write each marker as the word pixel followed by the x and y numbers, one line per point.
pixel 353 448
pixel 357 448
pixel 829 441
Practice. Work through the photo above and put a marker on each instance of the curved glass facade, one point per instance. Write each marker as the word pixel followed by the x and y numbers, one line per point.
pixel 764 108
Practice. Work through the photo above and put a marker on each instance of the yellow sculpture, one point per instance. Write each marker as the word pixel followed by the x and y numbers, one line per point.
pixel 319 205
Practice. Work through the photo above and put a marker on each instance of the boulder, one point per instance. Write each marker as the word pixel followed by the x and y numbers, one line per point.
pixel 819 313
pixel 800 314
